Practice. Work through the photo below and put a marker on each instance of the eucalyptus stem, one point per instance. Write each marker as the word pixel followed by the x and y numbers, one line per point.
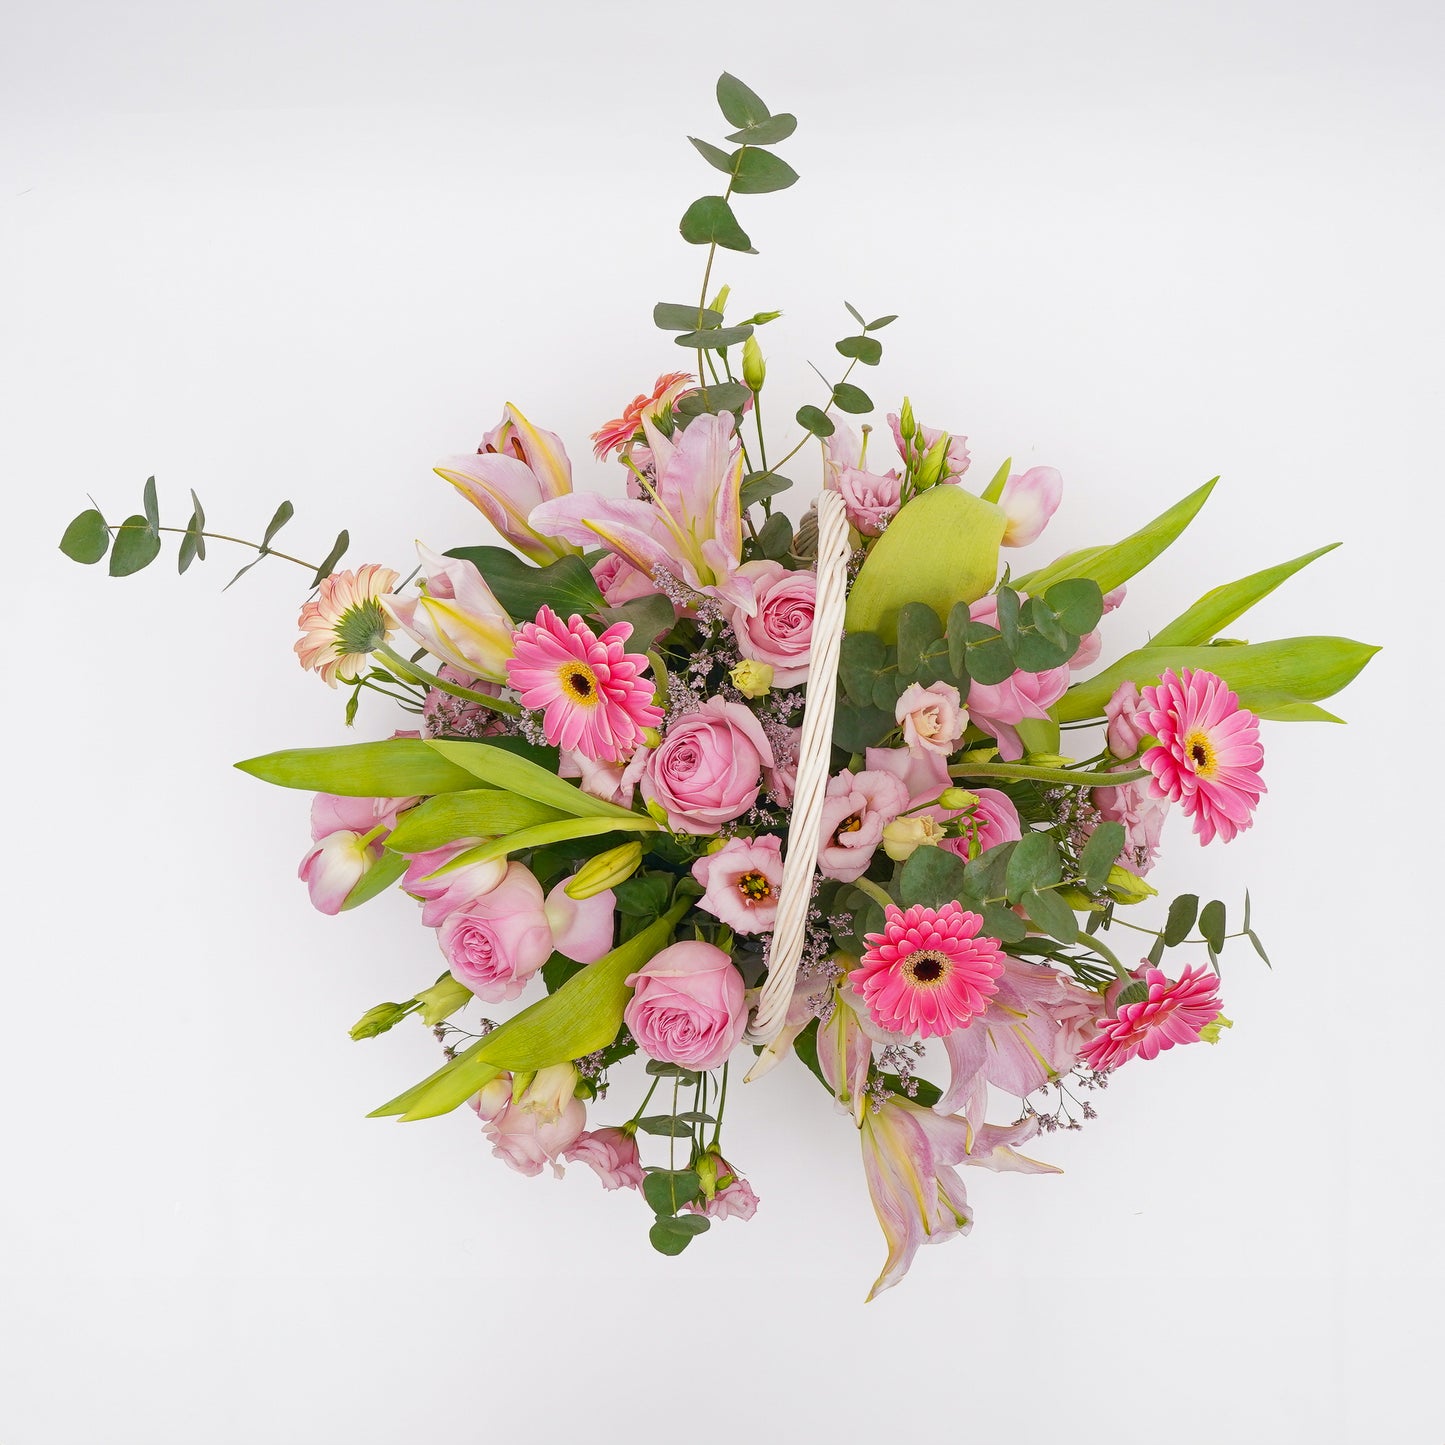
pixel 221 537
pixel 497 704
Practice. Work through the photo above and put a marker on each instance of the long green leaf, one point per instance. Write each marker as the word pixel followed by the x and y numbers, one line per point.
pixel 561 831
pixel 1217 609
pixel 1111 566
pixel 377 879
pixel 503 769
pixel 398 768
pixel 1268 676
pixel 580 1018
pixel 473 813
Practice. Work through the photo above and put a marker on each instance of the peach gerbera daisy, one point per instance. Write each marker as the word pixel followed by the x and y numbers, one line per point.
pixel 344 623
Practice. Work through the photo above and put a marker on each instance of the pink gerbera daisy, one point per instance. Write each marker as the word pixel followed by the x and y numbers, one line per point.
pixel 344 623
pixel 589 689
pixel 1174 1013
pixel 927 973
pixel 1209 754
pixel 616 434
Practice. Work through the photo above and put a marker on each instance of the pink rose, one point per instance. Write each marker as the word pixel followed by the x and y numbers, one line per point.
pixel 495 942
pixel 995 819
pixel 620 581
pixel 441 895
pixel 997 707
pixel 687 1006
pixel 581 928
pixel 612 1156
pixel 1142 815
pixel 742 880
pixel 780 630
pixel 522 1138
pixel 709 768
pixel 932 718
pixel 1127 723
pixel 856 809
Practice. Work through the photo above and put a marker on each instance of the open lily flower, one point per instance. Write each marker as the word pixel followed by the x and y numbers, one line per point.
pixel 517 467
pixel 456 617
pixel 691 528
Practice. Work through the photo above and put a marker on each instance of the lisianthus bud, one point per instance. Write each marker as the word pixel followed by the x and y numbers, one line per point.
pixel 907 423
pixel 604 871
pixel 719 303
pixel 955 800
pixel 377 1020
pixel 930 469
pixel 651 738
pixel 755 369
pixel 761 318
pixel 1127 887
pixel 752 679
pixel 658 813
pixel 903 837
pixel 442 1000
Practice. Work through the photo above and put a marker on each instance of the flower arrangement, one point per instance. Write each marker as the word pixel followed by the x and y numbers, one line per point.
pixel 705 789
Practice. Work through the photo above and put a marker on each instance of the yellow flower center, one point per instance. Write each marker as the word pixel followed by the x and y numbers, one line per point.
pixel 1201 753
pixel 850 824
pixel 926 968
pixel 579 683
pixel 754 887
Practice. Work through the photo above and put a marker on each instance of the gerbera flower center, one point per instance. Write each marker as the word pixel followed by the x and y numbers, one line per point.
pixel 1201 753
pixel 579 683
pixel 754 886
pixel 360 629
pixel 926 967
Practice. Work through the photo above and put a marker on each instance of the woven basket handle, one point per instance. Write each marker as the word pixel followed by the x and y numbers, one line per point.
pixel 814 752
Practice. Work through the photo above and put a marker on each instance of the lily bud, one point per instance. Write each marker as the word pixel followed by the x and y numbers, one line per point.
pixel 904 836
pixel 755 369
pixel 955 800
pixel 377 1020
pixel 442 1000
pixel 1127 887
pixel 752 679
pixel 604 871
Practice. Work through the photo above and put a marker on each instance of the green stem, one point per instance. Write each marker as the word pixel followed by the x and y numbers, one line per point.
pixel 497 704
pixel 1159 933
pixel 222 537
pixel 877 894
pixel 762 443
pixel 722 1100
pixel 646 1101
pixel 1107 953
pixel 1071 777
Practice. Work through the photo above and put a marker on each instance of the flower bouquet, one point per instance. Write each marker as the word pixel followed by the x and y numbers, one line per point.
pixel 704 789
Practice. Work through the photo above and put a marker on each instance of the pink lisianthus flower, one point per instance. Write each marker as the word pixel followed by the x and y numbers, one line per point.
pixel 1209 755
pixel 496 941
pixel 336 864
pixel 709 767
pixel 870 500
pixel 726 1194
pixel 524 1139
pixel 1142 812
pixel 956 458
pixel 998 707
pixel 687 1006
pixel 666 392
pixel 590 689
pixel 742 880
pixel 1175 1012
pixel 582 928
pixel 612 782
pixel 447 892
pixel 992 820
pixel 611 1154
pixel 516 468
pixel 932 718
pixel 1028 500
pixel 779 628
pixel 345 623
pixel 929 972
pixel 1127 724
pixel 856 809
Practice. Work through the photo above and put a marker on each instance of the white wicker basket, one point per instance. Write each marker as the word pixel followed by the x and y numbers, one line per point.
pixel 814 751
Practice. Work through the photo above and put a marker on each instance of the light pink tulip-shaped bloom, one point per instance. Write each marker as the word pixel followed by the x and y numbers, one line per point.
pixel 581 927
pixel 1175 1012
pixel 611 1154
pixel 589 688
pixel 455 617
pixel 1209 755
pixel 516 469
pixel 692 528
pixel 856 809
pixel 335 865
pixel 446 892
pixel 993 820
pixel 496 941
pixel 742 880
pixel 330 813
pixel 929 972
pixel 1028 500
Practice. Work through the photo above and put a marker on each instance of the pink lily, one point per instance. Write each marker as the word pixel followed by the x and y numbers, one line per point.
pixel 516 468
pixel 691 527
pixel 1029 500
pixel 456 617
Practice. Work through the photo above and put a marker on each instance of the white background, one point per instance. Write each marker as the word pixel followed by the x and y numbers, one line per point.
pixel 300 250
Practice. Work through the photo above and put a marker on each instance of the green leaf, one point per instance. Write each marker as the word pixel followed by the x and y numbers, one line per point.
pixel 715 398
pixel 1245 924
pixel 710 221
pixel 776 537
pixel 1110 566
pixel 1180 921
pixel 852 399
pixel 739 105
pixel 149 505
pixel 1212 925
pixel 1267 676
pixel 714 156
pixel 1217 609
pixel 1135 992
pixel 136 546
pixel 282 515
pixel 377 879
pixel 880 323
pixel 649 617
pixel 1156 950
pixel 672 1235
pixel 337 552
pixel 540 835
pixel 857 726
pixel 1051 914
pixel 715 339
pixel 1105 844
pixel 671 1190
pixel 759 486
pixel 861 348
pixel 766 132
pixel 1078 604
pixel 397 768
pixel 466 813
pixel 675 316
pixel 931 877
pixel 855 313
pixel 1003 923
pixel 918 629
pixel 660 1069
pixel 193 544
pixel 1296 712
pixel 665 1126
pixel 757 172
pixel 815 420
pixel 566 586
pixel 1034 864
pixel 87 538
pixel 1253 937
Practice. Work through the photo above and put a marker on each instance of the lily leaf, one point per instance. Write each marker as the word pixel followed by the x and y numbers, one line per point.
pixel 398 768
pixel 471 813
pixel 503 769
